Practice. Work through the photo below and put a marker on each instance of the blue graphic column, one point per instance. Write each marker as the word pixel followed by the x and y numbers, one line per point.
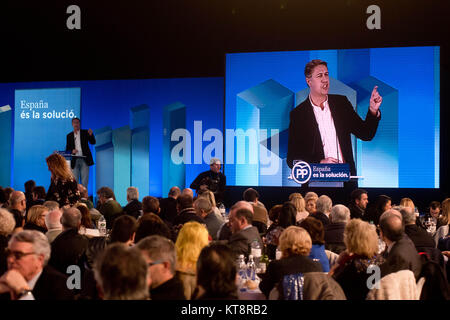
pixel 262 114
pixel 5 145
pixel 176 153
pixel 104 159
pixel 140 148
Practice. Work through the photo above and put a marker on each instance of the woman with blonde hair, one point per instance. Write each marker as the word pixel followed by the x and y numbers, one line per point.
pixel 310 202
pixel 63 187
pixel 36 218
pixel 295 245
pixel 407 202
pixel 299 204
pixel 350 271
pixel 192 238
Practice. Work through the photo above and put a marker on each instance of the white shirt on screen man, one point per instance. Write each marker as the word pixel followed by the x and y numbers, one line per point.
pixel 77 137
pixel 330 142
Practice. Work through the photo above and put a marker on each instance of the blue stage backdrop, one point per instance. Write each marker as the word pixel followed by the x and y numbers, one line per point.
pixel 128 118
pixel 42 118
pixel 262 88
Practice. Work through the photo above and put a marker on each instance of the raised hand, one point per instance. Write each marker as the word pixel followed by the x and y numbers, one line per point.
pixel 375 101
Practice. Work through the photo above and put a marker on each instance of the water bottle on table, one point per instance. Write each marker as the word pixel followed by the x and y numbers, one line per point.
pixel 102 226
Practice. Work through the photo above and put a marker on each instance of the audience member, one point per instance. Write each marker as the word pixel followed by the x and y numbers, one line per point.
pixel 51 205
pixel 84 196
pixel 350 271
pixel 36 218
pixel 299 204
pixel 186 211
pixel 286 218
pixel 124 230
pixel 274 213
pixel 295 246
pixel 86 220
pixel 443 221
pixel 216 279
pixel 38 195
pixel 375 210
pixel 334 232
pixel 260 215
pixel 7 191
pixel 225 231
pixel 358 203
pixel 61 257
pixel 53 223
pixel 407 202
pixel 150 224
pixel 316 232
pixel 323 209
pixel 29 185
pixel 421 238
pixel 160 255
pixel 243 232
pixel 134 206
pixel 188 192
pixel 310 201
pixel 28 276
pixel 17 206
pixel 169 205
pixel 204 210
pixel 108 206
pixel 150 205
pixel 7 225
pixel 401 252
pixel 192 238
pixel 63 186
pixel 210 196
pixel 122 274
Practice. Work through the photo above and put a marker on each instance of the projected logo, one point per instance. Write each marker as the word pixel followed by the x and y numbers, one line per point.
pixel 301 172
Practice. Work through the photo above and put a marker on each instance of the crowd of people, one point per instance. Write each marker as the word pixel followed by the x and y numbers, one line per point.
pixel 184 248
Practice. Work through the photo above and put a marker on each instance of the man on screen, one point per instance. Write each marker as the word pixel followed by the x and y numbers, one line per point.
pixel 320 127
pixel 77 145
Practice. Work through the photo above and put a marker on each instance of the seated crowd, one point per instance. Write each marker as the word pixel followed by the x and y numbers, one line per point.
pixel 183 248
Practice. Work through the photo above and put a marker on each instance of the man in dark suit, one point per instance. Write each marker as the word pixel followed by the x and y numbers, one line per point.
pixel 69 247
pixel 28 276
pixel 323 206
pixel 320 127
pixel 78 145
pixel 401 252
pixel 169 205
pixel 134 206
pixel 243 233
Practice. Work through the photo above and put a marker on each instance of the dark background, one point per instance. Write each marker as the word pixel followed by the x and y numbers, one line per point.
pixel 171 39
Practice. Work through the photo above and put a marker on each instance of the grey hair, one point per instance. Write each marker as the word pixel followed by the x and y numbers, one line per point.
pixel 159 248
pixel 53 219
pixel 132 193
pixel 71 218
pixel 37 239
pixel 203 204
pixel 324 204
pixel 339 213
pixel 7 222
pixel 408 215
pixel 51 205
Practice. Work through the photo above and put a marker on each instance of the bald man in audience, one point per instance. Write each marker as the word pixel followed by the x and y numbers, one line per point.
pixel 53 223
pixel 401 252
pixel 188 191
pixel 243 232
